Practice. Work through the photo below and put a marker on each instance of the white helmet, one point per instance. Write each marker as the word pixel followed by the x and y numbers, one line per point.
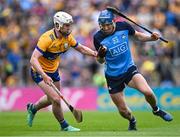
pixel 61 18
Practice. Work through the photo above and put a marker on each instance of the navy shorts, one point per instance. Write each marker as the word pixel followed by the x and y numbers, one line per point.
pixel 117 84
pixel 38 78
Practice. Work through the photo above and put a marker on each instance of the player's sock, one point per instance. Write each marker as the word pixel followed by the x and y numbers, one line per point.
pixel 64 124
pixel 132 124
pixel 156 108
pixel 163 114
pixel 33 109
pixel 132 119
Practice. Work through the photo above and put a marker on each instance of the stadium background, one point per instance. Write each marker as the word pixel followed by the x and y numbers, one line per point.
pixel 23 21
pixel 21 24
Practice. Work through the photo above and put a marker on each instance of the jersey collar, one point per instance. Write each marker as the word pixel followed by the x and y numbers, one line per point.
pixel 55 33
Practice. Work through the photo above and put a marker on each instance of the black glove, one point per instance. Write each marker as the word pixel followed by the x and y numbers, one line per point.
pixel 102 51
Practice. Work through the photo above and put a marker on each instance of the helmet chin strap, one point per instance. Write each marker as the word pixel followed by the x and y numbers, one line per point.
pixel 114 25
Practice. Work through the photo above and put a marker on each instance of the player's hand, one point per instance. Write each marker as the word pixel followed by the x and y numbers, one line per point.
pixel 47 79
pixel 102 51
pixel 155 36
pixel 95 54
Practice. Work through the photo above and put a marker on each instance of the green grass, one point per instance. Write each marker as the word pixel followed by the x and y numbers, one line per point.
pixel 95 124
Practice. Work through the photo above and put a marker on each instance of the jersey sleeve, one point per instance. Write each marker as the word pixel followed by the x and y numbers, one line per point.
pixel 43 43
pixel 72 41
pixel 130 28
pixel 96 43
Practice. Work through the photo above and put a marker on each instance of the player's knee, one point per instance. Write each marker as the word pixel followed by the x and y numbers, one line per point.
pixel 56 100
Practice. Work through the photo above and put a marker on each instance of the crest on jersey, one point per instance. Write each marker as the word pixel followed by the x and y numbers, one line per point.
pixel 65 45
pixel 123 36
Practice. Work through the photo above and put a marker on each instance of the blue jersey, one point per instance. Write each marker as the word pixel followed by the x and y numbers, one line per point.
pixel 118 56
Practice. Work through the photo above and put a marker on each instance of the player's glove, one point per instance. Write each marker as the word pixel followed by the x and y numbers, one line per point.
pixel 102 51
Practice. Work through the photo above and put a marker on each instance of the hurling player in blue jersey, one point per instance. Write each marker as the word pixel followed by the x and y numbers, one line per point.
pixel 112 44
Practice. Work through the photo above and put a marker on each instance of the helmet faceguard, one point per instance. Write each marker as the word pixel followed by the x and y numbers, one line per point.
pixel 60 19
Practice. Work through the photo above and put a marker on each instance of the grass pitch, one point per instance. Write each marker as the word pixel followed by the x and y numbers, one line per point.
pixel 95 124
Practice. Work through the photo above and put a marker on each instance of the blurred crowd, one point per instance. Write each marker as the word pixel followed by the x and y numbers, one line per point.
pixel 23 21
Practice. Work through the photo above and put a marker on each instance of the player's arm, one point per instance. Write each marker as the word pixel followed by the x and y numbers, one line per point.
pixel 139 35
pixel 36 65
pixel 101 50
pixel 144 37
pixel 86 51
pixel 81 48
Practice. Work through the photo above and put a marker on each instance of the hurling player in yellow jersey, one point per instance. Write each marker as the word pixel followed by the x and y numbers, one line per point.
pixel 45 61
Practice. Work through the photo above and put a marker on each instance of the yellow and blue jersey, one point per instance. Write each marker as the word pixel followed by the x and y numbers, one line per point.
pixel 51 47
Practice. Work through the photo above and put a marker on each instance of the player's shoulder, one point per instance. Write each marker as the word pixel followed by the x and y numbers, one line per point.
pixel 71 39
pixel 48 36
pixel 122 25
pixel 70 36
pixel 99 35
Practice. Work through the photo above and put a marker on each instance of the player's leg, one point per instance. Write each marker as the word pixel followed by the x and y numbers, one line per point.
pixel 56 106
pixel 41 103
pixel 116 86
pixel 33 108
pixel 138 82
pixel 64 125
pixel 44 101
pixel 51 97
pixel 119 101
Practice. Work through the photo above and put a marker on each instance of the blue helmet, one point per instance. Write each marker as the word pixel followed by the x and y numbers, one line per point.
pixel 105 17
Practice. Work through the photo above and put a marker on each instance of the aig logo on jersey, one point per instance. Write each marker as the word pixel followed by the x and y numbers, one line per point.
pixel 119 49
